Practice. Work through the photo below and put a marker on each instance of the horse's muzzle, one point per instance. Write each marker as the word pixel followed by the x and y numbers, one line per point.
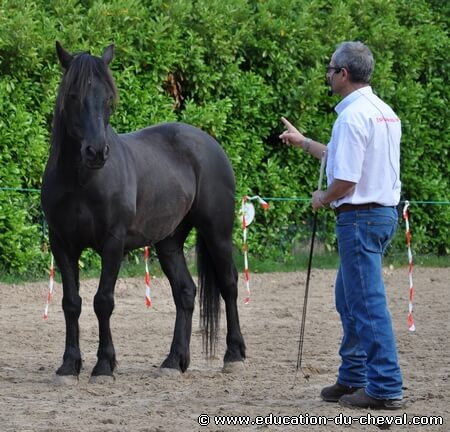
pixel 95 159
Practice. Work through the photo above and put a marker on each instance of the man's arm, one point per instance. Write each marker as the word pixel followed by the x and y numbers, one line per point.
pixel 336 190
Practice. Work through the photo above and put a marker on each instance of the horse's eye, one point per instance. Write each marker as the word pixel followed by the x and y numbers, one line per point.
pixel 73 99
pixel 109 103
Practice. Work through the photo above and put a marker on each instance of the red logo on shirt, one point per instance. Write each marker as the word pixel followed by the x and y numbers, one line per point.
pixel 388 119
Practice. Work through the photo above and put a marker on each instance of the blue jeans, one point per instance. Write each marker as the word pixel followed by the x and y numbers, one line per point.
pixel 368 349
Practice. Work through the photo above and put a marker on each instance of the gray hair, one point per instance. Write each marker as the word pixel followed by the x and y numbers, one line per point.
pixel 357 59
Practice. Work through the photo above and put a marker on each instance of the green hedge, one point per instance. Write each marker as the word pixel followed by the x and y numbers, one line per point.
pixel 232 68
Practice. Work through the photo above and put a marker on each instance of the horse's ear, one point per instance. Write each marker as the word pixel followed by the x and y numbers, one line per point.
pixel 108 54
pixel 64 57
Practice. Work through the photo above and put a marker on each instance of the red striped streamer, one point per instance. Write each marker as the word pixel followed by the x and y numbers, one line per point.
pixel 50 287
pixel 244 233
pixel 411 325
pixel 245 224
pixel 148 299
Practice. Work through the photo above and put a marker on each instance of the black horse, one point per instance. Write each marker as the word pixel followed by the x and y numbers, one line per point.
pixel 117 192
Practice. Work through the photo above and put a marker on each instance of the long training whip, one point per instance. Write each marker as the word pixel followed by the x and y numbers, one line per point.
pixel 308 275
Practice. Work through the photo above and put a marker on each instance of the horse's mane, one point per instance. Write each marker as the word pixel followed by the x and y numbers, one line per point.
pixel 77 79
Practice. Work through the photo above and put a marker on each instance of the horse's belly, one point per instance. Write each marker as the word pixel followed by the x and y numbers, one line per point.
pixel 150 229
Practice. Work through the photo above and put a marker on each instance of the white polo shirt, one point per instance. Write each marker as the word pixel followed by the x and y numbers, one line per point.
pixel 365 149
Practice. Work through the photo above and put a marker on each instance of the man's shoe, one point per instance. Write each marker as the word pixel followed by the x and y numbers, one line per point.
pixel 360 399
pixel 334 392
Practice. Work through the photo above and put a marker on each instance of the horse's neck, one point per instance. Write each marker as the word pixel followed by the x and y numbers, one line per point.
pixel 65 161
pixel 65 153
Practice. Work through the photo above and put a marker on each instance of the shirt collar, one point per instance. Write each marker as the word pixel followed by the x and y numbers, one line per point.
pixel 344 103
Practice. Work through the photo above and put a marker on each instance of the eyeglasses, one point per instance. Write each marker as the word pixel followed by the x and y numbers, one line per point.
pixel 333 68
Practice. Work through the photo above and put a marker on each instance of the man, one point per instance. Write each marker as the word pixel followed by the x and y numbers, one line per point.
pixel 363 176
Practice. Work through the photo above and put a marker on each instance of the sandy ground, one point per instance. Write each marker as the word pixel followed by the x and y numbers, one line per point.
pixel 140 400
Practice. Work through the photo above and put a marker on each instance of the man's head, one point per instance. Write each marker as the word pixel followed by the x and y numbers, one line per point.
pixel 357 59
pixel 350 67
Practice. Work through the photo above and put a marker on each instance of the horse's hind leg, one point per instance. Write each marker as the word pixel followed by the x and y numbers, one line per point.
pixel 171 258
pixel 216 248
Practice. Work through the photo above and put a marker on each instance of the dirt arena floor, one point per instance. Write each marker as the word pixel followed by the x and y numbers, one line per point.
pixel 141 400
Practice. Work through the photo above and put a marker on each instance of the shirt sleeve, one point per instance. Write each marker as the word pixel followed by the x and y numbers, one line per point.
pixel 350 142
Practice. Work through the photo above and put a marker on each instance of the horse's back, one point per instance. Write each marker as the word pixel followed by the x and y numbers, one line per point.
pixel 183 145
pixel 180 137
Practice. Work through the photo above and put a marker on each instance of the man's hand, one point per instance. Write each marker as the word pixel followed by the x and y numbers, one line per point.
pixel 291 135
pixel 317 200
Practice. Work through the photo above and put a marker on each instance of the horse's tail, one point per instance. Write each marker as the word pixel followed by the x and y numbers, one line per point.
pixel 209 297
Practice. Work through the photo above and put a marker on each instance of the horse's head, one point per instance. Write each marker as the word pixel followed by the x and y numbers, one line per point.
pixel 86 96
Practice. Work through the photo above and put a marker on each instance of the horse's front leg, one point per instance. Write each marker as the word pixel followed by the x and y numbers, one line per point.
pixel 71 303
pixel 112 254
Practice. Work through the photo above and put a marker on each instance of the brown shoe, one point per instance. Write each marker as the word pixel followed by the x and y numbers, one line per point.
pixel 334 392
pixel 360 399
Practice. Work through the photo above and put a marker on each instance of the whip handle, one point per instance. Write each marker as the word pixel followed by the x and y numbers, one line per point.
pixel 322 168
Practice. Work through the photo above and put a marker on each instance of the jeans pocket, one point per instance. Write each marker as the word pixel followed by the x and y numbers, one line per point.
pixel 378 235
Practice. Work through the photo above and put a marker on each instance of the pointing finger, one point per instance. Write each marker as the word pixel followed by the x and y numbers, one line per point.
pixel 287 123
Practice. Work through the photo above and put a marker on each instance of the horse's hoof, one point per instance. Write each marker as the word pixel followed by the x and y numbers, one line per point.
pixel 233 367
pixel 102 379
pixel 162 371
pixel 65 380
